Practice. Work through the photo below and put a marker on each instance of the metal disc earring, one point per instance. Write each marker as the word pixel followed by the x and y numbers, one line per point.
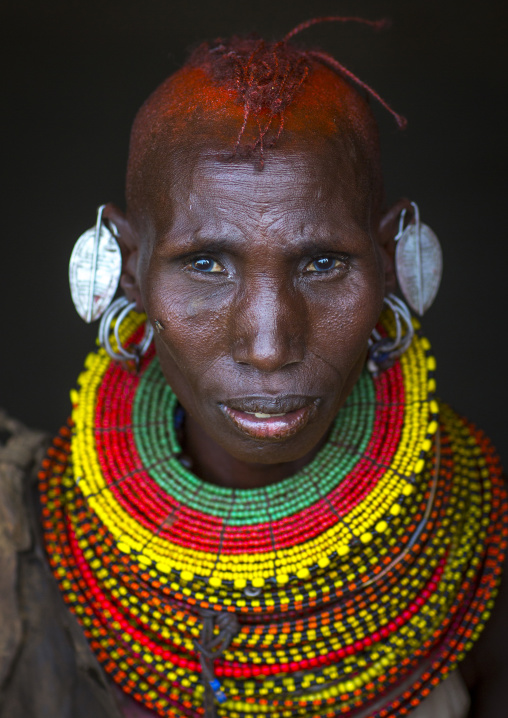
pixel 418 262
pixel 94 269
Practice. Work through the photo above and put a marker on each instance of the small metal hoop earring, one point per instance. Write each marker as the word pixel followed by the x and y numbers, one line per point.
pixel 122 307
pixel 383 351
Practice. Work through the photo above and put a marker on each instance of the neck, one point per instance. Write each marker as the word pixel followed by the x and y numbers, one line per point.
pixel 214 464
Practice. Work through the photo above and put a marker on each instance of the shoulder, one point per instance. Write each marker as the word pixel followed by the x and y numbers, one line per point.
pixel 475 463
pixel 485 669
pixel 20 451
pixel 19 445
pixel 46 665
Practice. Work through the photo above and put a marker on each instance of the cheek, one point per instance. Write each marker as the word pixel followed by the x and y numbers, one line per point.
pixel 342 320
pixel 195 320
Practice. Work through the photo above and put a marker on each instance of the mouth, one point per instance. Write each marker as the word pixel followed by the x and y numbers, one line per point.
pixel 270 418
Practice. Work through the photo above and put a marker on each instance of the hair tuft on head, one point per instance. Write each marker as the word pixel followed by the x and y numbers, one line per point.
pixel 267 77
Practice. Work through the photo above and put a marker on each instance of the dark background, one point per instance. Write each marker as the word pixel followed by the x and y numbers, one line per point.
pixel 74 74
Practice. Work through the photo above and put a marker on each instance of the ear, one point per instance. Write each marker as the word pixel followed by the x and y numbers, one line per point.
pixel 387 231
pixel 129 246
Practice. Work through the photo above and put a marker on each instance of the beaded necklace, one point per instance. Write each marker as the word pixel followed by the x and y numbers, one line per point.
pixel 311 597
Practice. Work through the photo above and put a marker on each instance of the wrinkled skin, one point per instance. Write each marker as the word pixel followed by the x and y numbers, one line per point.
pixel 266 324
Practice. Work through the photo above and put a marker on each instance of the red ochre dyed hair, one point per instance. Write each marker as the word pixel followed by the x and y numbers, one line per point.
pixel 262 89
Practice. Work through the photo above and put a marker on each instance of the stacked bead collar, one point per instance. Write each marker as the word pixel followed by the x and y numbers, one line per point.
pixel 310 597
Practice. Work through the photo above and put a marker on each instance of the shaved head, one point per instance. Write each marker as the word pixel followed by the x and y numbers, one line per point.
pixel 247 102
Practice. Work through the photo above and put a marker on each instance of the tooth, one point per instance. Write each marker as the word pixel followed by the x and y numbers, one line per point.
pixel 259 415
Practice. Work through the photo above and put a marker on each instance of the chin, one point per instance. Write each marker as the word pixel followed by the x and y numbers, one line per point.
pixel 271 441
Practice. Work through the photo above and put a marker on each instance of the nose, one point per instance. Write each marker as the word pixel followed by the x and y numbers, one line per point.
pixel 268 327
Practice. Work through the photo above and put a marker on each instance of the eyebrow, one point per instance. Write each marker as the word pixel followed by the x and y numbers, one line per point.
pixel 190 244
pixel 308 246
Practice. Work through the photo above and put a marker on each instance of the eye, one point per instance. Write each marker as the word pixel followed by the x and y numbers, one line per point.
pixel 325 264
pixel 206 265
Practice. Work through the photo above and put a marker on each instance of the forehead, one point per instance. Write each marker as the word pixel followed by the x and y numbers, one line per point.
pixel 306 181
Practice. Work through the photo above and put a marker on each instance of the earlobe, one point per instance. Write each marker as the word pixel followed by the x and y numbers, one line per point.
pixel 387 231
pixel 129 246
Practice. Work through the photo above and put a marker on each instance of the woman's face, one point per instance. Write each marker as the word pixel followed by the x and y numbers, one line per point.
pixel 267 285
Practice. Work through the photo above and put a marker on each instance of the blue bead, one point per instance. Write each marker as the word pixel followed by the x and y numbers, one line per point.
pixel 179 417
pixel 221 697
pixel 217 689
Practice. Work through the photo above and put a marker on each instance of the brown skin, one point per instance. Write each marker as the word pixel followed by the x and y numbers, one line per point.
pixel 267 324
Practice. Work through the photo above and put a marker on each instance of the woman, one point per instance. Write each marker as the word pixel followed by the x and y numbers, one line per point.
pixel 273 515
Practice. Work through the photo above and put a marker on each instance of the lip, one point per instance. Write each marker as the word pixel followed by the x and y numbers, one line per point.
pixel 289 415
